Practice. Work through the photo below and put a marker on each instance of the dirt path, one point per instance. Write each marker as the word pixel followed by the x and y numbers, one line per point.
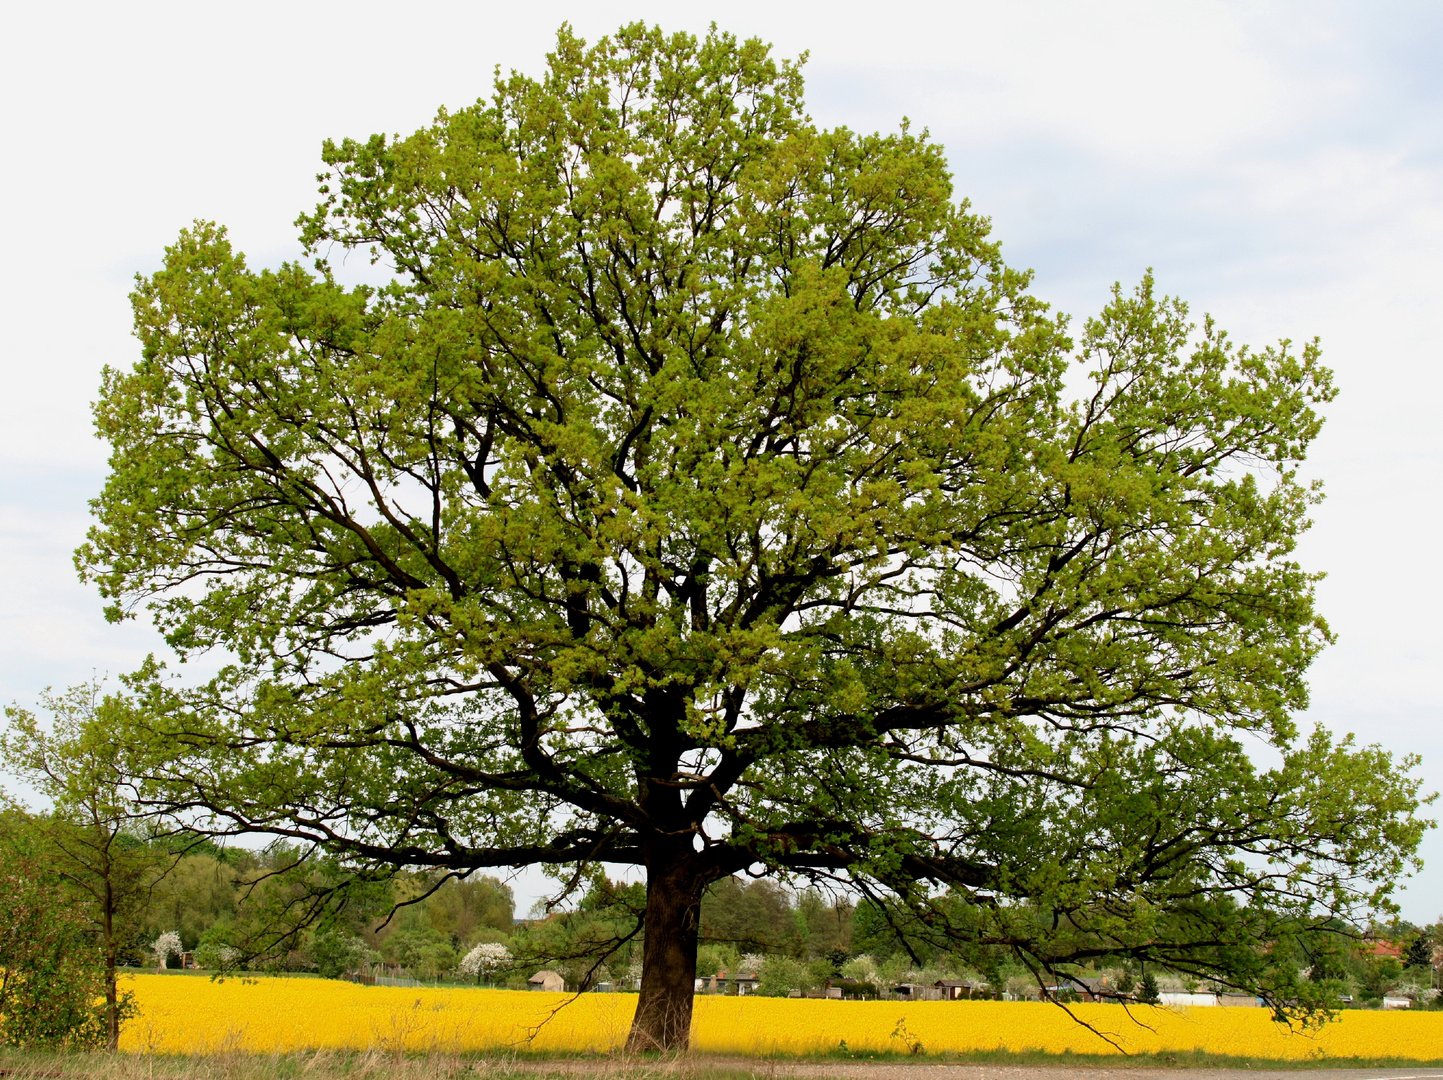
pixel 698 1067
pixel 844 1070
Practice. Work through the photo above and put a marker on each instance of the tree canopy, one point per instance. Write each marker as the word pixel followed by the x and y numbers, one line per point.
pixel 703 492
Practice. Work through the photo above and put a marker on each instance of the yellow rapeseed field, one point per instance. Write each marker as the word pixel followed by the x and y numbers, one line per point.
pixel 188 1014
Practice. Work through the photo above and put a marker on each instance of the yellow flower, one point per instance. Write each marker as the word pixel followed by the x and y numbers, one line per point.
pixel 193 1015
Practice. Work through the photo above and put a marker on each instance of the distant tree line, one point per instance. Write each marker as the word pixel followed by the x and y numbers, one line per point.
pixel 281 909
pixel 92 885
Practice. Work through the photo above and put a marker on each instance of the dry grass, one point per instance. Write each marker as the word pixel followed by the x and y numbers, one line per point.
pixel 387 1065
pixel 362 1065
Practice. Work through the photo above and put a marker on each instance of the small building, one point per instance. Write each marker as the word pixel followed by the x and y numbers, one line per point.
pixel 962 990
pixel 1244 1000
pixel 722 983
pixel 851 989
pixel 1390 1002
pixel 915 992
pixel 1182 997
pixel 549 981
pixel 1383 948
pixel 954 989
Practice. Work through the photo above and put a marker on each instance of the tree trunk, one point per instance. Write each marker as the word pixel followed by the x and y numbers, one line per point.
pixel 112 1008
pixel 112 997
pixel 668 960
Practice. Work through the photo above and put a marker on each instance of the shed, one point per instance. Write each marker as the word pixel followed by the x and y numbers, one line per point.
pixel 1245 1000
pixel 915 992
pixel 546 980
pixel 1173 997
pixel 955 989
pixel 1099 988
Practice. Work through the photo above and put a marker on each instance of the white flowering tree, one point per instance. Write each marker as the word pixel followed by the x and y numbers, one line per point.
pixel 484 960
pixel 168 944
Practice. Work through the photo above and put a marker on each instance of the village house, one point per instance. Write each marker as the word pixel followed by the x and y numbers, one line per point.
pixel 722 983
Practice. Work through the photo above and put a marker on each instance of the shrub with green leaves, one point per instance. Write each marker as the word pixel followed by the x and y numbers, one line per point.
pixel 336 953
pixel 52 971
pixel 780 975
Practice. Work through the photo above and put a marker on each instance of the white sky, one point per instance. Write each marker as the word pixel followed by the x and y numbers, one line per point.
pixel 1280 165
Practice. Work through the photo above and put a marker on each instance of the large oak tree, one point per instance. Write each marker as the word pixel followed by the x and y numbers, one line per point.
pixel 703 493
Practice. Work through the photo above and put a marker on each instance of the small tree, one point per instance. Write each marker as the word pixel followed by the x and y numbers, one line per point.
pixel 51 970
pixel 336 953
pixel 1147 991
pixel 95 837
pixel 485 960
pixel 164 947
pixel 781 975
pixel 1420 951
pixel 862 969
pixel 214 953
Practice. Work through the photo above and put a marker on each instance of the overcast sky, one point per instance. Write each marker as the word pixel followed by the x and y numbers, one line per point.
pixel 1279 165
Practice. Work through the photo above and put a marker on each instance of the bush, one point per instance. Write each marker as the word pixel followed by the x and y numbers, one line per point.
pixel 862 969
pixel 52 990
pixel 426 954
pixel 780 975
pixel 819 970
pixel 216 957
pixel 711 959
pixel 215 952
pixel 336 953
